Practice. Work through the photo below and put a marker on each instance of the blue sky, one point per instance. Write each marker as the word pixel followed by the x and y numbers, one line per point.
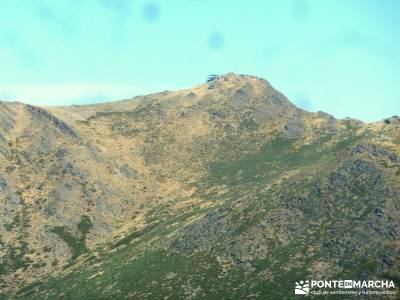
pixel 342 57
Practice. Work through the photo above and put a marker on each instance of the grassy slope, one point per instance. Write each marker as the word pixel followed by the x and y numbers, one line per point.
pixel 140 268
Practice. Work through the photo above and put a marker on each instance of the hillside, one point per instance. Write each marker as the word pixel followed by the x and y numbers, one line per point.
pixel 223 191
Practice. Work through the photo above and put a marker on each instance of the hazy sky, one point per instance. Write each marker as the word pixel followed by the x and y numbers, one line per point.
pixel 342 57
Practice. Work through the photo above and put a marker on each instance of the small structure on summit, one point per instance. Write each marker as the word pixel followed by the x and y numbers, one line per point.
pixel 212 77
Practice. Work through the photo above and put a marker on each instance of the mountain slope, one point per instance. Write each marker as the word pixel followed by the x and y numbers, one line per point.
pixel 226 190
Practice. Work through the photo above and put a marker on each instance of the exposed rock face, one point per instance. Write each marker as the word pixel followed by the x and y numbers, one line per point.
pixel 376 151
pixel 224 189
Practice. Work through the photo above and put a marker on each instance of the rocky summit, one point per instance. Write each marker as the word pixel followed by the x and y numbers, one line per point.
pixel 223 191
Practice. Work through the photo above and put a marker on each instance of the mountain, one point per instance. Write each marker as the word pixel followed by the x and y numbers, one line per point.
pixel 223 191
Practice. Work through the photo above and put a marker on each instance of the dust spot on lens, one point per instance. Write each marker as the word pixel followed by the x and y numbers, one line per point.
pixel 216 41
pixel 151 12
pixel 301 10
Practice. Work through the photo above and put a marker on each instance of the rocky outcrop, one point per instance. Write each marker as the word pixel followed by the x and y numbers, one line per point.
pixel 43 114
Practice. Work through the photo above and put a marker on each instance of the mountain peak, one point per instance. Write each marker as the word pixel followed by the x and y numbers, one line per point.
pixel 231 79
pixel 192 173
